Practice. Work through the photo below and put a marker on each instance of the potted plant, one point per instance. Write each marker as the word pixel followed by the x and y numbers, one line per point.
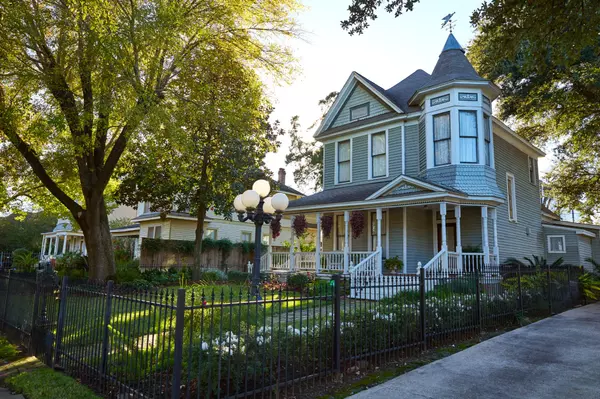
pixel 393 265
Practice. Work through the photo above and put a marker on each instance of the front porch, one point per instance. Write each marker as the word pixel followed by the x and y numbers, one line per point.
pixel 445 237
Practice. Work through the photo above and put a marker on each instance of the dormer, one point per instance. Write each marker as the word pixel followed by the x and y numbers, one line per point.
pixel 456 110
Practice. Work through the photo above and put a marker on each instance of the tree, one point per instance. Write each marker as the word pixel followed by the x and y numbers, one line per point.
pixel 215 143
pixel 18 231
pixel 307 156
pixel 362 11
pixel 78 79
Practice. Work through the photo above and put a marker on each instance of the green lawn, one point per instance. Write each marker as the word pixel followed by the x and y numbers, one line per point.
pixel 45 383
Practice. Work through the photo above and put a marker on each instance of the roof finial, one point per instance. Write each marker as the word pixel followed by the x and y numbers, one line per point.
pixel 449 22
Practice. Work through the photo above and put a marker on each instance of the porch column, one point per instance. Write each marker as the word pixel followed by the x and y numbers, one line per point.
pixel 318 244
pixel 292 239
pixel 44 241
pixel 56 242
pixel 444 238
pixel 346 241
pixel 379 214
pixel 484 232
pixel 404 241
pixel 494 216
pixel 64 248
pixel 269 251
pixel 457 214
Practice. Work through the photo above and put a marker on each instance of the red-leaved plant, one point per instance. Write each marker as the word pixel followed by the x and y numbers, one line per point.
pixel 299 225
pixel 275 228
pixel 357 221
pixel 327 225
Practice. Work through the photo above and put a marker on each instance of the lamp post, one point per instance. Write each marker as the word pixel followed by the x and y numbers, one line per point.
pixel 255 205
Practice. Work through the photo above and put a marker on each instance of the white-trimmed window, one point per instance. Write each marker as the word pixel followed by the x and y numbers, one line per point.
pixel 487 139
pixel 359 111
pixel 511 197
pixel 210 233
pixel 246 236
pixel 467 128
pixel 154 231
pixel 441 139
pixel 532 172
pixel 378 155
pixel 343 161
pixel 556 244
pixel 340 233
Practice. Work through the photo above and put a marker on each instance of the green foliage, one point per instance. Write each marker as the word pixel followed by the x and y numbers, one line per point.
pixel 213 275
pixel 8 351
pixel 235 276
pixel 472 249
pixel 299 281
pixel 138 284
pixel 455 286
pixel 18 231
pixel 119 222
pixel 128 271
pixel 72 264
pixel 393 264
pixel 159 277
pixel 590 285
pixel 24 261
pixel 46 383
pixel 536 262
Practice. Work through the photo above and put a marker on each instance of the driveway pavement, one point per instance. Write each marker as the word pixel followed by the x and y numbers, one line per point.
pixel 558 357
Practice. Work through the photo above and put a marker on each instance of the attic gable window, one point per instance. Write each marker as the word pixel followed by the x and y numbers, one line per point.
pixel 441 139
pixel 359 111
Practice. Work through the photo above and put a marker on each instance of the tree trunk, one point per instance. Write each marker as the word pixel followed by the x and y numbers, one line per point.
pixel 96 230
pixel 199 235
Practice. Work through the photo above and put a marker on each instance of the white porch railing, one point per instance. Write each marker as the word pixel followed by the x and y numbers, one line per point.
pixel 332 261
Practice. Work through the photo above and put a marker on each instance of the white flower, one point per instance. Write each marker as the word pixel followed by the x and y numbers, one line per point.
pixel 204 346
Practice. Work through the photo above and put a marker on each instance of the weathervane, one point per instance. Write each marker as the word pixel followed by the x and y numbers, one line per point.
pixel 448 21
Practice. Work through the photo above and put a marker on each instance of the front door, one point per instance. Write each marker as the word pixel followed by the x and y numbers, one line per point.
pixel 450 236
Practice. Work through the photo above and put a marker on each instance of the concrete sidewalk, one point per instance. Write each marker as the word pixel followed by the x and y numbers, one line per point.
pixel 558 357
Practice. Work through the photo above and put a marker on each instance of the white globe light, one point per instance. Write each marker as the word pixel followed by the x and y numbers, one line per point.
pixel 268 207
pixel 262 187
pixel 238 204
pixel 250 199
pixel 280 202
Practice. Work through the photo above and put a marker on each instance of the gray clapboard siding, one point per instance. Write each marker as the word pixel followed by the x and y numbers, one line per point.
pixel 360 157
pixel 571 256
pixel 422 147
pixel 328 165
pixel 585 251
pixel 523 237
pixel 412 150
pixel 470 224
pixel 358 96
pixel 396 230
pixel 419 230
pixel 395 151
pixel 361 242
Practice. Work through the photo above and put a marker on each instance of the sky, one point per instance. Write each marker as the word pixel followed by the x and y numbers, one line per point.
pixel 387 52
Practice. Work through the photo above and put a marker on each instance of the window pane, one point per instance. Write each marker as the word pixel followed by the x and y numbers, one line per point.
pixel 378 144
pixel 442 152
pixel 468 123
pixel 344 172
pixel 468 149
pixel 379 166
pixel 150 232
pixel 340 232
pixel 486 127
pixel 487 153
pixel 157 231
pixel 441 127
pixel 344 151
pixel 509 197
pixel 265 239
pixel 557 244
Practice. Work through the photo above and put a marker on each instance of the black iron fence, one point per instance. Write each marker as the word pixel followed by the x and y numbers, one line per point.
pixel 219 341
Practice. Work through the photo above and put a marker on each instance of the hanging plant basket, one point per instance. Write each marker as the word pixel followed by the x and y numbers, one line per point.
pixel 327 225
pixel 275 228
pixel 357 221
pixel 300 225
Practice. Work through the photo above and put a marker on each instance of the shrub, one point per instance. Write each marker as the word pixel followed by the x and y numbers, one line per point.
pixel 138 284
pixel 298 281
pixel 235 276
pixel 455 286
pixel 72 265
pixel 24 260
pixel 128 271
pixel 393 264
pixel 213 275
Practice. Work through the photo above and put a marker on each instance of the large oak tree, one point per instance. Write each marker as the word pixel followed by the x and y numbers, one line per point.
pixel 79 78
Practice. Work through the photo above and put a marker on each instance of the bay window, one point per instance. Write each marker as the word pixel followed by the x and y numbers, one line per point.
pixel 343 161
pixel 487 137
pixel 441 139
pixel 467 122
pixel 378 155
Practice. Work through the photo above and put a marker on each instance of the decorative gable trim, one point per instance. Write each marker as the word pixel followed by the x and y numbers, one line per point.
pixel 346 91
pixel 404 185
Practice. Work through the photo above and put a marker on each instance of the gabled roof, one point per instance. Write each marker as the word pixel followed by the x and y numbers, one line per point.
pixel 418 185
pixel 288 189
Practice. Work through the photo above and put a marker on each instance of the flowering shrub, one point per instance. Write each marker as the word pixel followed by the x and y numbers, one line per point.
pixel 357 221
pixel 327 225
